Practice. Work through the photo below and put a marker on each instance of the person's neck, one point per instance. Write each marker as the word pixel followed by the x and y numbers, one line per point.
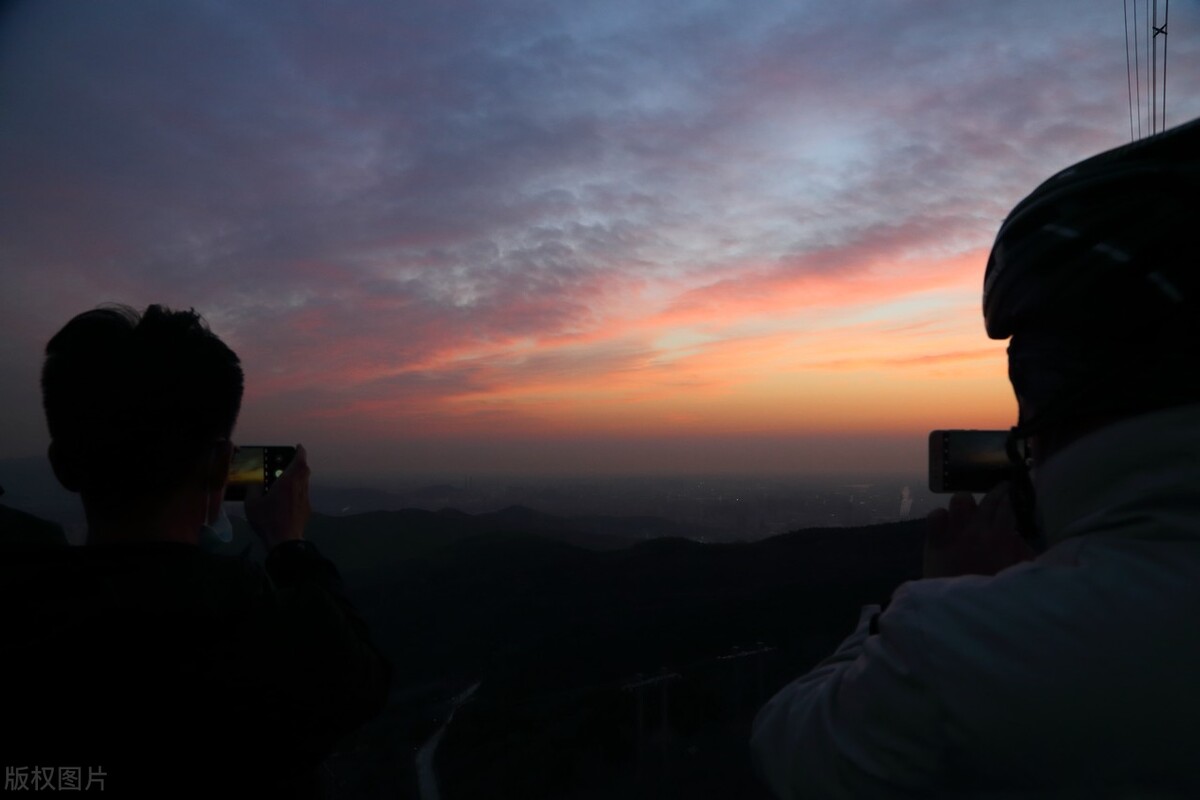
pixel 175 521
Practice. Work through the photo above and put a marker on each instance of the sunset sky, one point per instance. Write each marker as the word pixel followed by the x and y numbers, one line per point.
pixel 577 237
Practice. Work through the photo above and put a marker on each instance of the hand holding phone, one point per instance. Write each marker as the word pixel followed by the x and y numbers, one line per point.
pixel 281 514
pixel 970 539
pixel 256 465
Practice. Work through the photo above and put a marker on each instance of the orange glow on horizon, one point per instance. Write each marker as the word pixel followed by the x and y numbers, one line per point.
pixel 890 349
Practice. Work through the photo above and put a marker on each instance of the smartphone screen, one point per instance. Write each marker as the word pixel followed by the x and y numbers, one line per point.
pixel 968 461
pixel 256 465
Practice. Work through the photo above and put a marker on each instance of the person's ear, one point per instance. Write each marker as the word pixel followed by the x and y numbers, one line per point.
pixel 64 467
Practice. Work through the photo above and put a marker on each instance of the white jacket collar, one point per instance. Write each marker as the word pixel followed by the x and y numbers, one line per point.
pixel 1140 477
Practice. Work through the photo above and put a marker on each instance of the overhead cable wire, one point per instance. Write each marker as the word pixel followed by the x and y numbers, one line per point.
pixel 1154 69
pixel 1137 67
pixel 1128 70
pixel 1166 13
pixel 1149 72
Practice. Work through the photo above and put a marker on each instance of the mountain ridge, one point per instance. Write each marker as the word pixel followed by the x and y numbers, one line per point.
pixel 622 666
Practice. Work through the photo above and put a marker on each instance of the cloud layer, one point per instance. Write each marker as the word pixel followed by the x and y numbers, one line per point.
pixel 529 221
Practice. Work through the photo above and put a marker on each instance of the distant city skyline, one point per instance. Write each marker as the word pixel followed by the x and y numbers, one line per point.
pixel 713 507
pixel 528 237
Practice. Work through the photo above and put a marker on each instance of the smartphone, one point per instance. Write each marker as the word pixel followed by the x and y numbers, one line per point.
pixel 968 461
pixel 256 465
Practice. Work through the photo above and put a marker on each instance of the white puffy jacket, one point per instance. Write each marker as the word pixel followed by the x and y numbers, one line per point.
pixel 1077 674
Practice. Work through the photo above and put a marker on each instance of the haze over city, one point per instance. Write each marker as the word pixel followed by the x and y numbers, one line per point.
pixel 534 238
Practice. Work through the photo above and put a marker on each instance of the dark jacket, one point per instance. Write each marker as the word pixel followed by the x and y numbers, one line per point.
pixel 177 670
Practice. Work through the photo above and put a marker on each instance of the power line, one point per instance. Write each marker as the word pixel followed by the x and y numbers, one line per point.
pixel 1166 13
pixel 1128 70
pixel 1149 73
pixel 1156 90
pixel 1154 71
pixel 1137 61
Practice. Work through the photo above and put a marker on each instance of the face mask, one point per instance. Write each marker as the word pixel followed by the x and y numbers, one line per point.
pixel 218 532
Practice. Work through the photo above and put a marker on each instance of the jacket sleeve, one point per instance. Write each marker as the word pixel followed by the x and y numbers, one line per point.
pixel 330 676
pixel 862 724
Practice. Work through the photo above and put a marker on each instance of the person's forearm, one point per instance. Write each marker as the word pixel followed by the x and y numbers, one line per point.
pixel 790 721
pixel 865 722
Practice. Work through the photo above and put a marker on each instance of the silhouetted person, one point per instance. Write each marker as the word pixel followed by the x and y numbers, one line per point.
pixel 170 668
pixel 1069 668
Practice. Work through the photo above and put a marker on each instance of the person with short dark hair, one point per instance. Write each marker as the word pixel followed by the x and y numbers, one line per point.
pixel 140 410
pixel 1061 662
pixel 174 669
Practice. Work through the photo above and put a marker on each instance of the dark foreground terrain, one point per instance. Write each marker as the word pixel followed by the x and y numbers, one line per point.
pixel 602 665
pixel 633 670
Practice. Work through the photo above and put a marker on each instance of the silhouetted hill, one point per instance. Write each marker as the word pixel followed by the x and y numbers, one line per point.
pixel 30 486
pixel 18 527
pixel 380 538
pixel 556 634
pixel 340 501
pixel 632 671
pixel 640 528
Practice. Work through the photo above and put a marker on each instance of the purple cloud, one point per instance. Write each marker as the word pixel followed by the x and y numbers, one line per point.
pixel 402 202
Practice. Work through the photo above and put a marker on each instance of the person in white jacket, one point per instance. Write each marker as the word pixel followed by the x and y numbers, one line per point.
pixel 1065 662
